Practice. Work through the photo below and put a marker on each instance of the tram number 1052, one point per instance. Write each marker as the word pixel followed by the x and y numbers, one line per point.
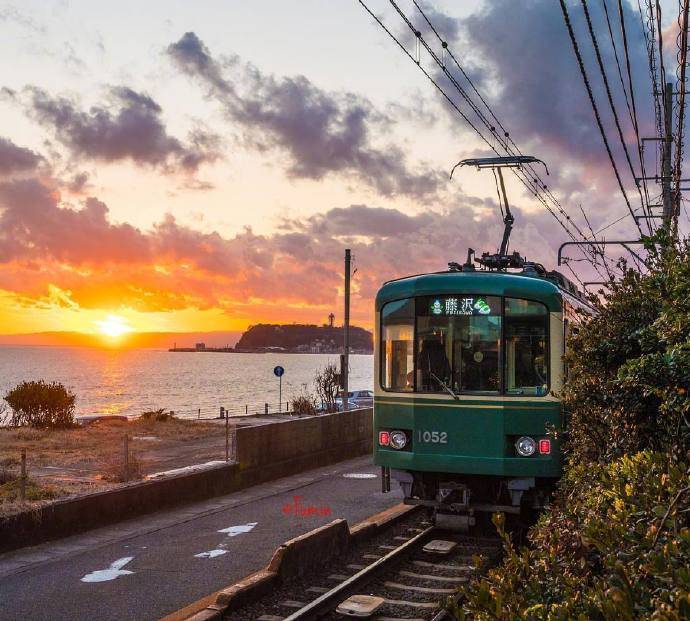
pixel 432 437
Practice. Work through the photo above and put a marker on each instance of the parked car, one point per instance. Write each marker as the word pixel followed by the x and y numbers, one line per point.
pixel 357 399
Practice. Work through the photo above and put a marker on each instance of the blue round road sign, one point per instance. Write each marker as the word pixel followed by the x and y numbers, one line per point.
pixel 279 371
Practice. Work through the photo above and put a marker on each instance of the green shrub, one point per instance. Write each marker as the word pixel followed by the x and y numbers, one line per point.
pixel 616 545
pixel 41 404
pixel 304 404
pixel 159 415
pixel 629 367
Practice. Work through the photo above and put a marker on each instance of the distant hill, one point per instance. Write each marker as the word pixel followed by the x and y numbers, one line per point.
pixel 142 340
pixel 303 339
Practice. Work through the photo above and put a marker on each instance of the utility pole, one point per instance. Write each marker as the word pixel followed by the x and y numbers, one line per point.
pixel 666 156
pixel 346 333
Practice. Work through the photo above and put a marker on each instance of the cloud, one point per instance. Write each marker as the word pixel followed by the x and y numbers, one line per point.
pixel 320 132
pixel 15 159
pixel 295 272
pixel 520 57
pixel 128 126
pixel 540 94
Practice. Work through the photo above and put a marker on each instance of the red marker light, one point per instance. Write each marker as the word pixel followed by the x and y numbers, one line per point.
pixel 545 446
pixel 384 438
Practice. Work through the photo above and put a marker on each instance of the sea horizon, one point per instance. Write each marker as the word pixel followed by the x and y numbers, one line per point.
pixel 131 381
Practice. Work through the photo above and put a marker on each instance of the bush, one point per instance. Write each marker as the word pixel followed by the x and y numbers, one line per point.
pixel 327 385
pixel 40 404
pixel 114 469
pixel 615 546
pixel 10 488
pixel 304 404
pixel 629 367
pixel 159 415
pixel 616 542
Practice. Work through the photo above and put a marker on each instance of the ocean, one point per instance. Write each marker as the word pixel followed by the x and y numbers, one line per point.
pixel 111 381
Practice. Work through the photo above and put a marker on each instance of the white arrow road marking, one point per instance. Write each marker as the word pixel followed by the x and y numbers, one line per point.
pixel 233 531
pixel 114 571
pixel 211 554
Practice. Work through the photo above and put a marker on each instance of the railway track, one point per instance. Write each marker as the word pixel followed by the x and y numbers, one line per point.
pixel 406 578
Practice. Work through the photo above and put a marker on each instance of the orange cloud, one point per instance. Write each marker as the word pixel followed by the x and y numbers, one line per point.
pixel 54 256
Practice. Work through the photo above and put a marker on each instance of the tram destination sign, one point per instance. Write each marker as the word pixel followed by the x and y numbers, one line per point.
pixel 463 305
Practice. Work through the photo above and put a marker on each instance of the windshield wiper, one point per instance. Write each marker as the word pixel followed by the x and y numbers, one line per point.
pixel 444 385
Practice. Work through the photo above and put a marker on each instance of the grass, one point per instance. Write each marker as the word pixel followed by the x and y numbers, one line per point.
pixel 65 462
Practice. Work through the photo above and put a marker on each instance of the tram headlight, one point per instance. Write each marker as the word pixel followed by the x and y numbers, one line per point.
pixel 525 446
pixel 398 440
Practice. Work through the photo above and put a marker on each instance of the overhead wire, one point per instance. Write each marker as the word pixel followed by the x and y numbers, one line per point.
pixel 631 114
pixel 662 71
pixel 612 105
pixel 636 125
pixel 507 138
pixel 595 109
pixel 534 185
pixel 443 93
pixel 682 42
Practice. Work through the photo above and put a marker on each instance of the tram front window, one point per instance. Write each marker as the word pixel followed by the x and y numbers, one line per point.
pixel 465 344
pixel 397 336
pixel 458 344
pixel 525 337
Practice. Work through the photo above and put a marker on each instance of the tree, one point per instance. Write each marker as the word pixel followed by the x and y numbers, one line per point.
pixel 629 367
pixel 327 384
pixel 41 404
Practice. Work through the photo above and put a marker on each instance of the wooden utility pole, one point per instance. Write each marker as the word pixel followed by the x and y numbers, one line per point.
pixel 22 482
pixel 126 458
pixel 227 438
pixel 667 143
pixel 346 333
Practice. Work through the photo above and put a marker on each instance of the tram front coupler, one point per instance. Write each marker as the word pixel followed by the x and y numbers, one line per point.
pixel 453 511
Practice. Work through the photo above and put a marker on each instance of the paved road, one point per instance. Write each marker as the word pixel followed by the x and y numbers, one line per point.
pixel 47 581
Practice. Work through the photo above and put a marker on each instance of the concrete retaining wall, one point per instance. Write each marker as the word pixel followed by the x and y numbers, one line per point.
pixel 265 453
pixel 297 557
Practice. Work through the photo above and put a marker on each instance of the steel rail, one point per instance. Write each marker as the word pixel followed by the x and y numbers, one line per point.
pixel 329 600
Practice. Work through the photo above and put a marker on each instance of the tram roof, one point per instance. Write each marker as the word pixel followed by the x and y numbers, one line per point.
pixel 480 282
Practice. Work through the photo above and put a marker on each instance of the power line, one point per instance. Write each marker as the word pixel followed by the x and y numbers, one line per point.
pixel 682 64
pixel 534 185
pixel 633 117
pixel 536 179
pixel 566 17
pixel 607 87
pixel 539 185
pixel 649 33
pixel 662 68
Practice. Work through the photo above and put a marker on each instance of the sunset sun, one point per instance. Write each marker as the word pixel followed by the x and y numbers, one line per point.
pixel 113 326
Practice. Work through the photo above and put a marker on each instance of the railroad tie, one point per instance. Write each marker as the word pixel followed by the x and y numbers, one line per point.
pixel 372 557
pixel 411 574
pixel 441 566
pixel 356 567
pixel 339 577
pixel 291 603
pixel 319 590
pixel 270 618
pixel 402 602
pixel 418 589
pixel 384 547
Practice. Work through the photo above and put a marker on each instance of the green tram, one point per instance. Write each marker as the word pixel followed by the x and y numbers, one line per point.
pixel 468 366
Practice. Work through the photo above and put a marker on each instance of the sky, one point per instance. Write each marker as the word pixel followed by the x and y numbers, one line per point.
pixel 175 166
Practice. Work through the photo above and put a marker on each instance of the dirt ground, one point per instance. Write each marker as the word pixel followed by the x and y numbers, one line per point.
pixel 85 459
